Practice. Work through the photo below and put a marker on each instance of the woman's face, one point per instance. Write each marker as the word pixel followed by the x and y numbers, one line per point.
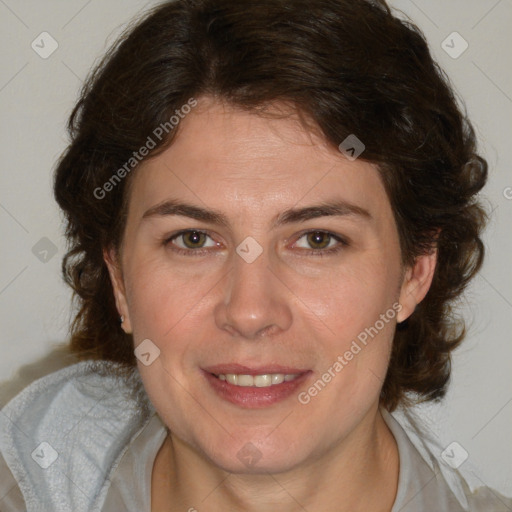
pixel 285 260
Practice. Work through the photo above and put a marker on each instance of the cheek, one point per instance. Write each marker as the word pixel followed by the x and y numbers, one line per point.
pixel 357 307
pixel 160 298
pixel 165 307
pixel 351 297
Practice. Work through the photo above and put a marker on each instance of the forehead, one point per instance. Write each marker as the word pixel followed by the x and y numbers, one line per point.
pixel 231 159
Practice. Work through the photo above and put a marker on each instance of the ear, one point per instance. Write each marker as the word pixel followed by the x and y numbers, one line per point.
pixel 111 259
pixel 416 283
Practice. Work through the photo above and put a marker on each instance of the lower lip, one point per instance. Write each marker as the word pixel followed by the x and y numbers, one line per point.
pixel 253 397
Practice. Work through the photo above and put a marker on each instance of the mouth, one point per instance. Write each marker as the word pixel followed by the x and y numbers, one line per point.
pixel 259 381
pixel 251 387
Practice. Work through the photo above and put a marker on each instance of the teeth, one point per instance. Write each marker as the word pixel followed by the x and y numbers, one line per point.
pixel 258 381
pixel 232 379
pixel 262 381
pixel 277 378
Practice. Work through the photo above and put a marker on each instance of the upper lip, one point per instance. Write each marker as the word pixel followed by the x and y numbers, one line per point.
pixel 240 369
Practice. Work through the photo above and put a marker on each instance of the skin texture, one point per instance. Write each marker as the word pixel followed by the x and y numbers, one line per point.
pixel 290 306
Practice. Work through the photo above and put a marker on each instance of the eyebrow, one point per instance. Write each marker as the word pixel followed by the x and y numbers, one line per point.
pixel 290 216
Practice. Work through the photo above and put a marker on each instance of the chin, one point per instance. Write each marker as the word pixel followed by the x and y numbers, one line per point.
pixel 251 457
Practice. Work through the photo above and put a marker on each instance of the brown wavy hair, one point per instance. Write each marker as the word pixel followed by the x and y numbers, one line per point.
pixel 347 66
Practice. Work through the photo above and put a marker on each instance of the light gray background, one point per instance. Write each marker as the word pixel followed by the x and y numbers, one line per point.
pixel 36 96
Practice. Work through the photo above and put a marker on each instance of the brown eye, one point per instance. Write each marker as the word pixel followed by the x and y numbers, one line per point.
pixel 318 239
pixel 320 243
pixel 193 239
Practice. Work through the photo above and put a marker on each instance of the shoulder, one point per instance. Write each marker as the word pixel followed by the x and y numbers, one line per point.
pixel 11 499
pixel 428 483
pixel 484 499
pixel 62 434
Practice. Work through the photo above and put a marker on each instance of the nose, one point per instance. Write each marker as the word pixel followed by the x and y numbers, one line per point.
pixel 254 301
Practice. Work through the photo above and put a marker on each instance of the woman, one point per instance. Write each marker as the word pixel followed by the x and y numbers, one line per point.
pixel 271 209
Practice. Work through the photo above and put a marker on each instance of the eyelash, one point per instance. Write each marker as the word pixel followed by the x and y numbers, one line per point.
pixel 342 243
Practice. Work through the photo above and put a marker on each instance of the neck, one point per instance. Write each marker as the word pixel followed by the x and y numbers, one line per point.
pixel 358 474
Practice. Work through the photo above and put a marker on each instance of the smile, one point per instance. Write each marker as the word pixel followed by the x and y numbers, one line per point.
pixel 253 388
pixel 258 381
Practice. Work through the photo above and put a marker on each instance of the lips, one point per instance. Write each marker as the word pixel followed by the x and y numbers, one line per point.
pixel 240 384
